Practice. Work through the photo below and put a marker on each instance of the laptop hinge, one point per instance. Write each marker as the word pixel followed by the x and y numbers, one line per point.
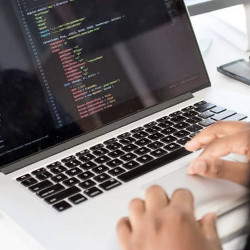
pixel 81 139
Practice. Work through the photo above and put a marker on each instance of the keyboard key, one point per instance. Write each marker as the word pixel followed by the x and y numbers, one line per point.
pixel 71 182
pixel 100 169
pixel 114 146
pixel 158 152
pixel 223 115
pixel 110 184
pixel 163 119
pixel 156 163
pixel 177 113
pixel 102 177
pixel 172 147
pixel 168 131
pixel 127 140
pixel 168 139
pixel 100 152
pixel 23 178
pixel 73 163
pixel 142 142
pixel 178 119
pixel 181 125
pixel 58 169
pixel 194 120
pixel 87 157
pixel 190 114
pixel 114 163
pixel 150 124
pixel 131 165
pixel 116 171
pixel 156 136
pixel 110 141
pixel 59 178
pixel 61 206
pixel 50 191
pixel 165 124
pixel 205 107
pixel 194 128
pixel 116 153
pixel 62 195
pixel 155 145
pixel 102 159
pixel 88 165
pixel 123 136
pixel 137 130
pixel 129 147
pixel 38 171
pixel 200 103
pixel 206 114
pixel 44 176
pixel 97 147
pixel 207 122
pixel 87 184
pixel 142 151
pixel 92 192
pixel 184 140
pixel 145 158
pixel 55 164
pixel 73 171
pixel 128 157
pixel 140 135
pixel 77 199
pixel 86 175
pixel 42 185
pixel 82 153
pixel 181 133
pixel 236 117
pixel 217 109
pixel 153 130
pixel 69 158
pixel 189 108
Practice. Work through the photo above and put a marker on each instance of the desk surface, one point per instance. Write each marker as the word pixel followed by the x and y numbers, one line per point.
pixel 219 52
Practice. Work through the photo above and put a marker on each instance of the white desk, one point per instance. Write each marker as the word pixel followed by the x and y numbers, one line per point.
pixel 220 52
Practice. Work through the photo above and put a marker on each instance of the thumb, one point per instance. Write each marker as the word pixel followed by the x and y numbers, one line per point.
pixel 217 168
pixel 208 226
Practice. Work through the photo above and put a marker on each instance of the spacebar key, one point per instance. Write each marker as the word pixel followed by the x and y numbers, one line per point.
pixel 150 166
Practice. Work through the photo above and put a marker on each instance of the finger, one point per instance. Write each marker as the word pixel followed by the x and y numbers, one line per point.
pixel 155 198
pixel 124 231
pixel 183 199
pixel 208 226
pixel 136 211
pixel 218 168
pixel 237 143
pixel 217 130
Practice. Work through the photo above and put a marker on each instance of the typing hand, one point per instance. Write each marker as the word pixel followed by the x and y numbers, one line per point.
pixel 219 140
pixel 159 223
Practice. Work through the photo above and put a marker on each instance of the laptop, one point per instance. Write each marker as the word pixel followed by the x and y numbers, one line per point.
pixel 97 100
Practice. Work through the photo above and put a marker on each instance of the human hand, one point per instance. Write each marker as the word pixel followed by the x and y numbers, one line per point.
pixel 159 223
pixel 221 139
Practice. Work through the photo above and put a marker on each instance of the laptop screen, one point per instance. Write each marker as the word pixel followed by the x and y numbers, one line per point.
pixel 68 67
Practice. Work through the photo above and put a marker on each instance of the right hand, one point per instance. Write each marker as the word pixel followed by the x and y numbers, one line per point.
pixel 218 140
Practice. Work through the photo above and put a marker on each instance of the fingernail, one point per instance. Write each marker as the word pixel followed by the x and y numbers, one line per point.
pixel 197 167
pixel 192 145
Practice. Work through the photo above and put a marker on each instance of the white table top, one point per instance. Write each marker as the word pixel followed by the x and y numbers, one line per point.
pixel 219 52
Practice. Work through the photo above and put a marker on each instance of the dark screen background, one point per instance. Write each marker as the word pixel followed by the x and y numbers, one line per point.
pixel 143 53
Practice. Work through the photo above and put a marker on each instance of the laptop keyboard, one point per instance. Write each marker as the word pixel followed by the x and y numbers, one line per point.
pixel 89 173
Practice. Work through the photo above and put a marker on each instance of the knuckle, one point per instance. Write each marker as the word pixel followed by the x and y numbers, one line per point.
pixel 179 215
pixel 218 167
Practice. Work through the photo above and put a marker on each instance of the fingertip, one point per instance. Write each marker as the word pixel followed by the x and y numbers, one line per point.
pixel 192 145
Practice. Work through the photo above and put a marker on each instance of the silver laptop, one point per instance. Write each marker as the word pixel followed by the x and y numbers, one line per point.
pixel 97 100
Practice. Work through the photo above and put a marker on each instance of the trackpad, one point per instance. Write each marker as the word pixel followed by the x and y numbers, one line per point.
pixel 211 195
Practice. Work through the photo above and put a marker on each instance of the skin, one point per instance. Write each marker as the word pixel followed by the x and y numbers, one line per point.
pixel 163 223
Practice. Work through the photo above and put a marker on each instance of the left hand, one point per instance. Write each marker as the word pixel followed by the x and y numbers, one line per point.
pixel 159 223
